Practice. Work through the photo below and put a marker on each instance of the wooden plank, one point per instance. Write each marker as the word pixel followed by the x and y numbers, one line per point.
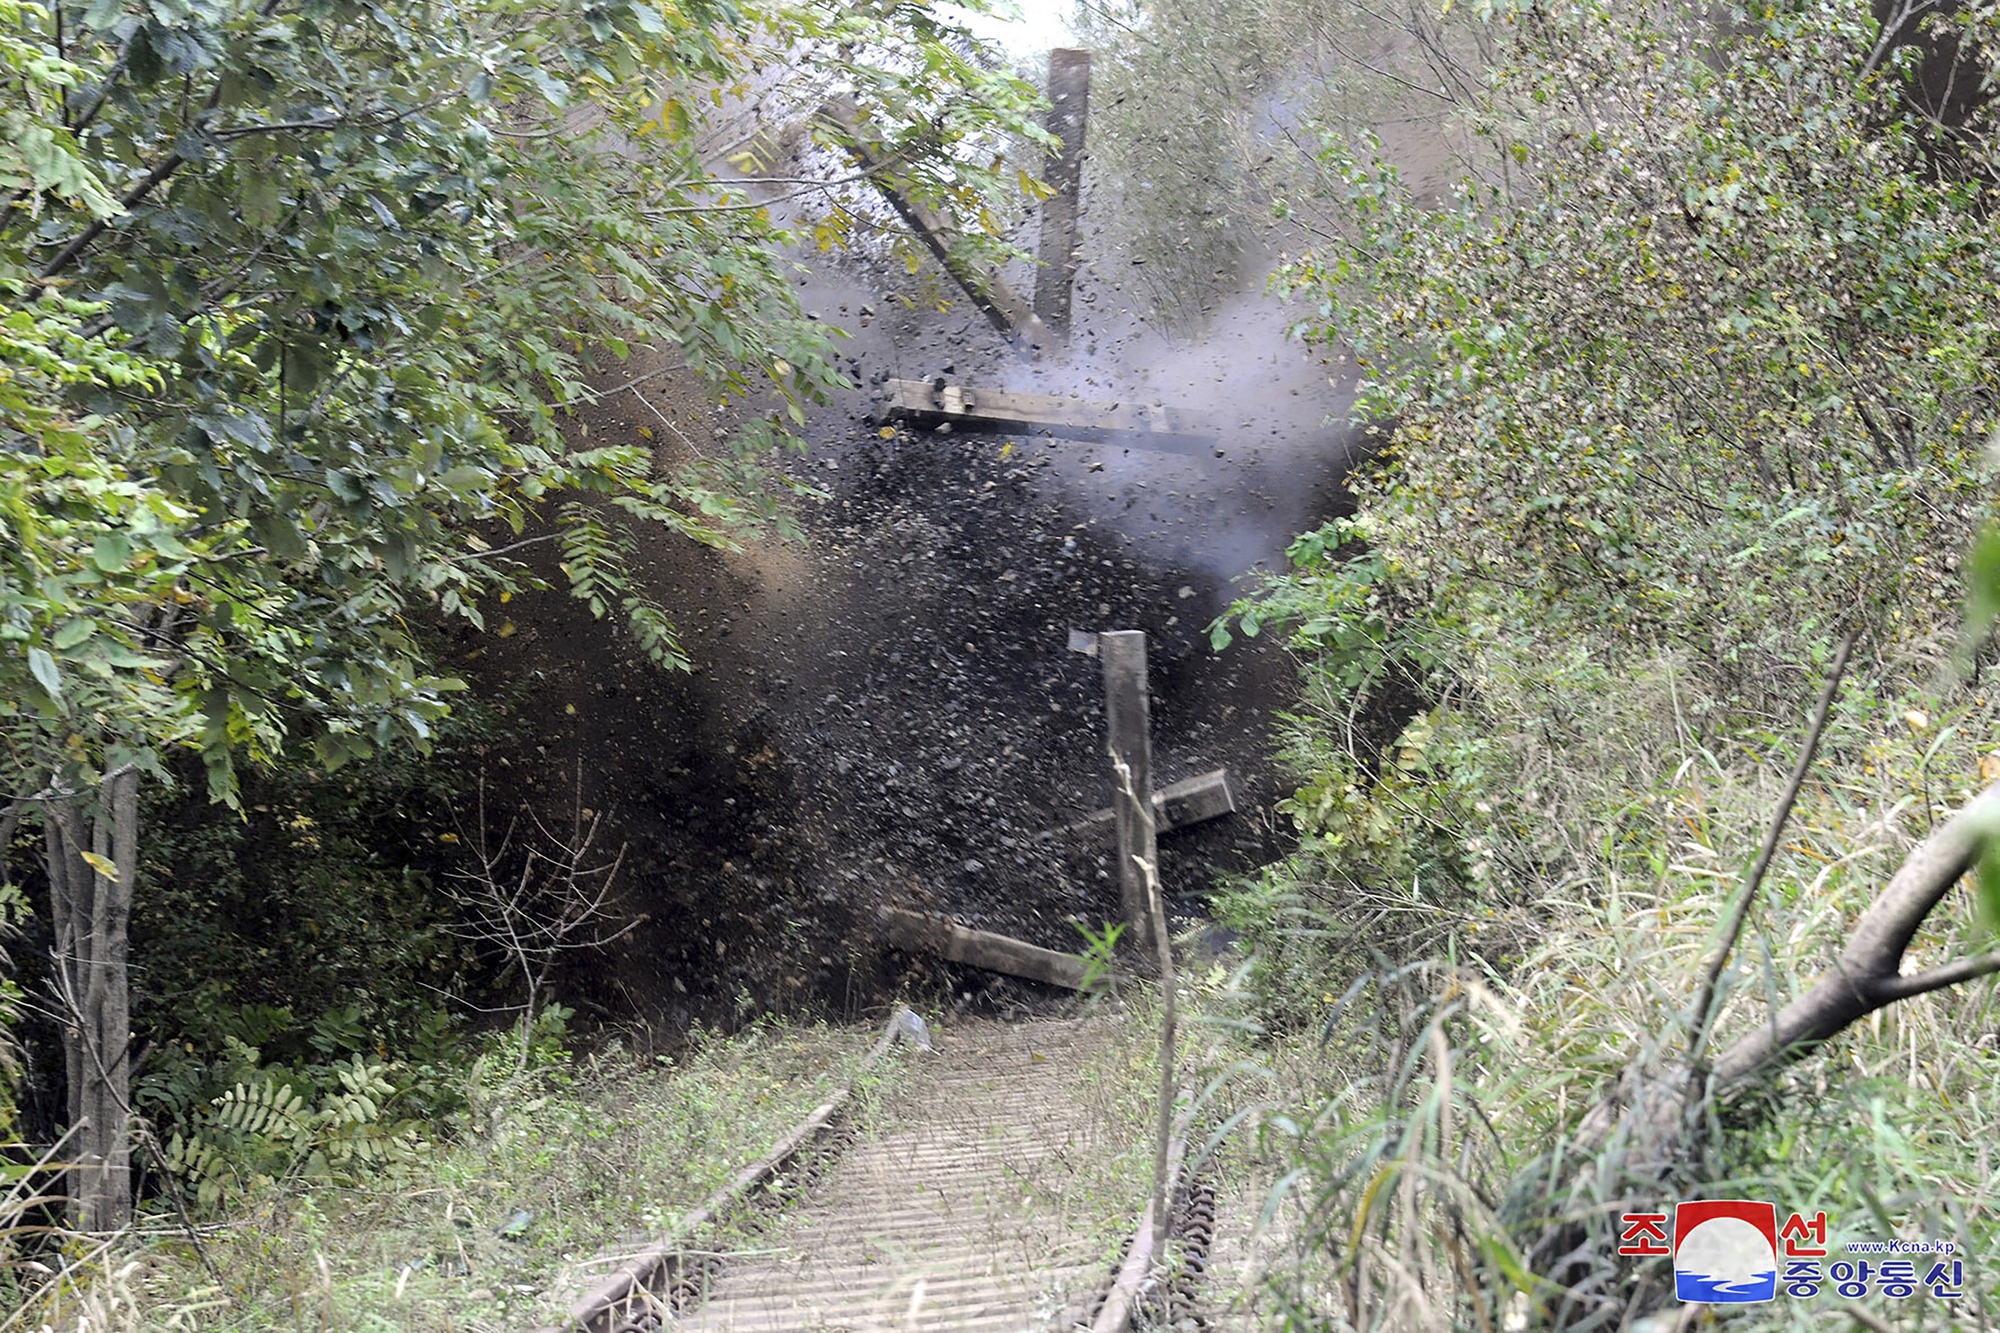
pixel 929 402
pixel 1128 713
pixel 1069 114
pixel 1001 305
pixel 1194 800
pixel 918 932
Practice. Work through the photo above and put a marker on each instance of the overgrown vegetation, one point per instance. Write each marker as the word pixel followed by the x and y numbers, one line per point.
pixel 299 304
pixel 497 1214
pixel 1690 380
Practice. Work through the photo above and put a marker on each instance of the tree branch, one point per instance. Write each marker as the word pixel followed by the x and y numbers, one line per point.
pixel 81 241
pixel 1703 1013
pixel 151 181
pixel 1865 976
pixel 1891 989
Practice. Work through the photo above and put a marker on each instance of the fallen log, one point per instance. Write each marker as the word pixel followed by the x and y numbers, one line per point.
pixel 919 932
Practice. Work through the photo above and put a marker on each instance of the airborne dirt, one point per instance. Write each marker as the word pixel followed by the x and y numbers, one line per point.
pixel 890 712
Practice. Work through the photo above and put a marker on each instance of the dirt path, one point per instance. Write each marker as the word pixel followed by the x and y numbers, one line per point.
pixel 990 1197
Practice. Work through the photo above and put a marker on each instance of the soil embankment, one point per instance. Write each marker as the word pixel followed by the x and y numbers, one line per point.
pixel 889 712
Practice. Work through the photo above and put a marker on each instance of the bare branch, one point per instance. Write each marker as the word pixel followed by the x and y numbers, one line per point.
pixel 1937 978
pixel 551 904
pixel 1703 1013
pixel 1866 975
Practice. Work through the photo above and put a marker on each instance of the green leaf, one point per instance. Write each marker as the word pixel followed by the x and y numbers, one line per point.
pixel 72 633
pixel 1982 584
pixel 111 552
pixel 43 668
pixel 51 166
pixel 1986 912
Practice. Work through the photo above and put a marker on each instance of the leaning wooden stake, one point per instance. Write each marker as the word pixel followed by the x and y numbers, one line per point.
pixel 1125 1302
pixel 988 290
pixel 1145 1263
pixel 1128 716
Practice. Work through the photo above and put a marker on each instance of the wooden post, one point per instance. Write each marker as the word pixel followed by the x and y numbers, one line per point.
pixel 1069 112
pixel 1128 719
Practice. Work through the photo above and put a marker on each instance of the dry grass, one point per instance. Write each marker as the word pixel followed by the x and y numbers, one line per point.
pixel 497 1230
pixel 1417 1119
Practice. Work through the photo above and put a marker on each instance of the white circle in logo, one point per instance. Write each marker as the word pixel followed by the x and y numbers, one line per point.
pixel 1726 1250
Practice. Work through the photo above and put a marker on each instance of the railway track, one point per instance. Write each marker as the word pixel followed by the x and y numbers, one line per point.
pixel 984 1202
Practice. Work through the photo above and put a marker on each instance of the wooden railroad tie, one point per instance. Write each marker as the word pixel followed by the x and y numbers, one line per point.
pixel 920 932
pixel 1145 425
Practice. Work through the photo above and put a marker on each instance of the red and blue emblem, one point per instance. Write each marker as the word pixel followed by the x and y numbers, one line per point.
pixel 1726 1251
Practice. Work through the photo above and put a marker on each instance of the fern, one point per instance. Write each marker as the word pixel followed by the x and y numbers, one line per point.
pixel 655 633
pixel 264 1129
pixel 594 557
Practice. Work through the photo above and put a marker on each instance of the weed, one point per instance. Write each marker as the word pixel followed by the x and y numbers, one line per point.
pixel 498 1227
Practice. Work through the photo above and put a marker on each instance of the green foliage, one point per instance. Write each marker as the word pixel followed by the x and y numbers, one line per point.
pixel 297 306
pixel 1394 802
pixel 273 1125
pixel 501 1221
pixel 298 302
pixel 1982 573
pixel 1723 387
pixel 1432 1089
pixel 1691 374
pixel 306 936
pixel 1671 400
pixel 322 895
pixel 1100 953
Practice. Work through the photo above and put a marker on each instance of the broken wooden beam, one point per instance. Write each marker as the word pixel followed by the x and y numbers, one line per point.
pixel 935 402
pixel 1194 800
pixel 1069 112
pixel 919 932
pixel 1128 720
pixel 1001 305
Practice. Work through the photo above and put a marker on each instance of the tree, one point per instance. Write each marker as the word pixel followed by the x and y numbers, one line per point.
pixel 1754 341
pixel 298 295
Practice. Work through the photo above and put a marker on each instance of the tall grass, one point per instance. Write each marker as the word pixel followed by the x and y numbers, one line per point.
pixel 1427 1144
pixel 551 1174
